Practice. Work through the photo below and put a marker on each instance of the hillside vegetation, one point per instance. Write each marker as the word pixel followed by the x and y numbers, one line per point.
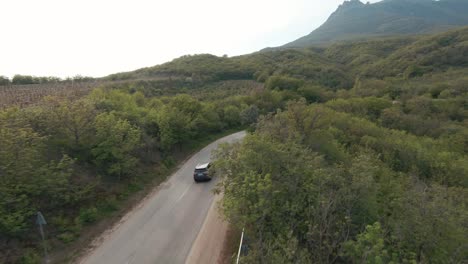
pixel 325 184
pixel 373 174
pixel 358 155
pixel 355 20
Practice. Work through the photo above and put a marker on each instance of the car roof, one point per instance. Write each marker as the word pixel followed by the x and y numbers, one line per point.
pixel 202 166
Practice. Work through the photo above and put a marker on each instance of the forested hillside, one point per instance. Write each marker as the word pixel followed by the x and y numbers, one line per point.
pixel 377 173
pixel 359 154
pixel 356 20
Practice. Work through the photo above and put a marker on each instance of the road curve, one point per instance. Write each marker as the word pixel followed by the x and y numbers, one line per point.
pixel 164 227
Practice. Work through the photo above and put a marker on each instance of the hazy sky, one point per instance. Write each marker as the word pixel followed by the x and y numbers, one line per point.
pixel 100 37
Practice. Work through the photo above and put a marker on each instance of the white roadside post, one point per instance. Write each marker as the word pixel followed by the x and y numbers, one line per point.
pixel 240 246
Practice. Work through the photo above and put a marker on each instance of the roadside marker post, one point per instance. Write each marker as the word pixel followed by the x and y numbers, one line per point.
pixel 40 221
pixel 240 246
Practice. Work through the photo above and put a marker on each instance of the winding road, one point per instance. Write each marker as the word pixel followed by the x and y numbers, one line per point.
pixel 164 227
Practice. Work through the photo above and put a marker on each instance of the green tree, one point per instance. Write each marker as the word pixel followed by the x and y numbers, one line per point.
pixel 313 94
pixel 231 115
pixel 4 80
pixel 283 83
pixel 175 127
pixel 369 247
pixel 116 140
pixel 28 181
pixel 249 115
pixel 23 79
pixel 208 119
pixel 70 124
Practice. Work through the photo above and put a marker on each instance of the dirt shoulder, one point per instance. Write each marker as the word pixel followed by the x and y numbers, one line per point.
pixel 210 244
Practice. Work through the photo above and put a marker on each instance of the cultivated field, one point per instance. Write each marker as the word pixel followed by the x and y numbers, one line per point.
pixel 24 95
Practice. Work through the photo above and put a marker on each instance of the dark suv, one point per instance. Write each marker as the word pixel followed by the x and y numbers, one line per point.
pixel 201 172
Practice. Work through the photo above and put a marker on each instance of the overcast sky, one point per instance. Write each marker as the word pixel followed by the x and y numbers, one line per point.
pixel 99 37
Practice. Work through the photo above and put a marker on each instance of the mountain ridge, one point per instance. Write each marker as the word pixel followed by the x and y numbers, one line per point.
pixel 354 19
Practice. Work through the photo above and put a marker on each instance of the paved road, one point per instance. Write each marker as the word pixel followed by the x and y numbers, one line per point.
pixel 163 229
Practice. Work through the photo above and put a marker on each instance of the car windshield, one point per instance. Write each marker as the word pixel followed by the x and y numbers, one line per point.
pixel 200 170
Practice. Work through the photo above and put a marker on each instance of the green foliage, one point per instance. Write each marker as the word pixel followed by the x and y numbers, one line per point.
pixel 88 215
pixel 369 107
pixel 175 126
pixel 369 246
pixel 69 124
pixel 430 224
pixel 314 94
pixel 67 237
pixel 201 70
pixel 29 181
pixel 4 80
pixel 109 205
pixel 231 115
pixel 197 68
pixel 333 186
pixel 30 256
pixel 259 191
pixel 424 55
pixel 28 79
pixel 117 140
pixel 23 79
pixel 283 83
pixel 249 115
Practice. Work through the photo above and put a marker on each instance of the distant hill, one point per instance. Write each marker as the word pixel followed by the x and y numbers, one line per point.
pixel 333 66
pixel 356 20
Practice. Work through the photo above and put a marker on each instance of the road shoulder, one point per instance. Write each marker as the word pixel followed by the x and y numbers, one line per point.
pixel 209 245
